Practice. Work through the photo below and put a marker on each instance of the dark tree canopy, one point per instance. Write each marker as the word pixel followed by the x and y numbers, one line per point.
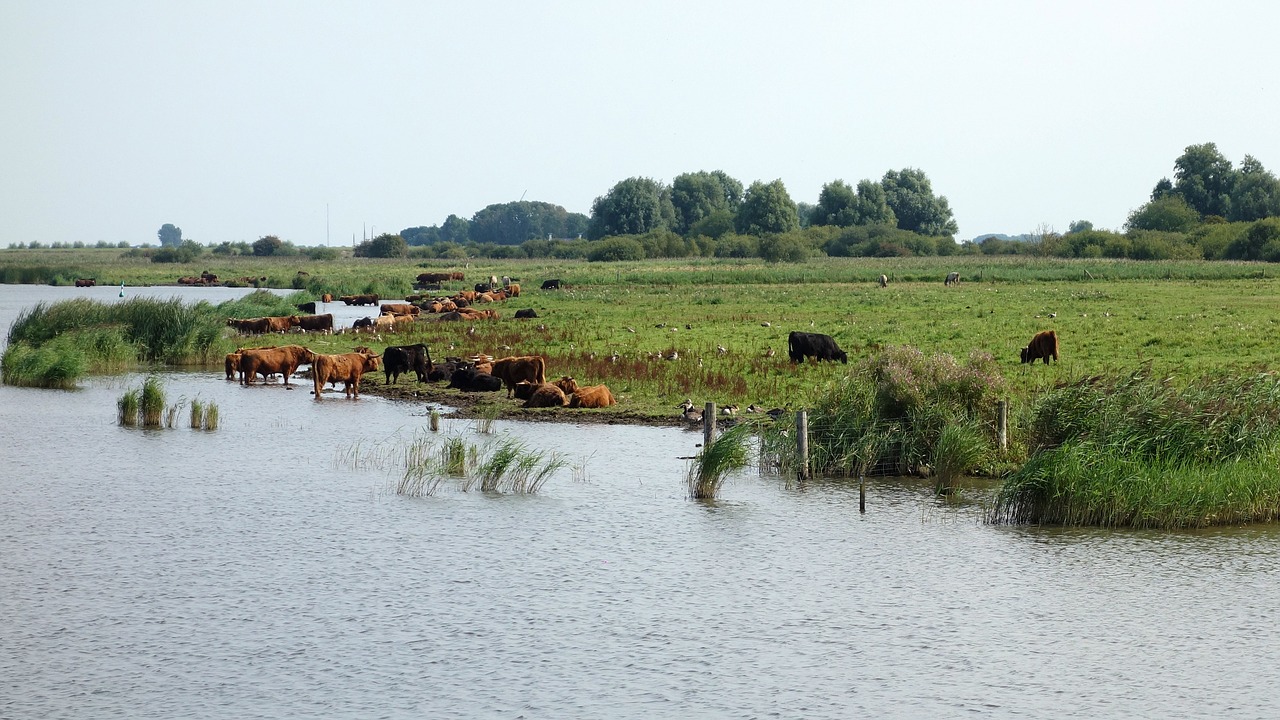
pixel 455 229
pixel 267 245
pixel 695 196
pixel 632 207
pixel 910 195
pixel 767 208
pixel 1257 192
pixel 1205 179
pixel 383 246
pixel 515 222
pixel 842 206
pixel 170 235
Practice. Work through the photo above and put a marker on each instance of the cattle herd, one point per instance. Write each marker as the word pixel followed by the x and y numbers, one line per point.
pixel 523 377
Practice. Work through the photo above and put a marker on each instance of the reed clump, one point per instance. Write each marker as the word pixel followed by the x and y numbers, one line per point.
pixel 204 415
pixel 1143 451
pixel 730 451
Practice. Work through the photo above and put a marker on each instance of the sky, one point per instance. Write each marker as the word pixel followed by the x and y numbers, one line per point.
pixel 327 122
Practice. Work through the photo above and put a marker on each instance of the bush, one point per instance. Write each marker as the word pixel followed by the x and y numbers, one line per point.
pixel 615 249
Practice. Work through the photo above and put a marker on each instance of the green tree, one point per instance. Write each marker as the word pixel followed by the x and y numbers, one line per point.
pixel 842 206
pixel 421 235
pixel 385 245
pixel 910 195
pixel 767 208
pixel 1169 213
pixel 714 225
pixel 695 196
pixel 1260 242
pixel 267 245
pixel 1256 192
pixel 632 207
pixel 515 222
pixel 170 235
pixel 455 229
pixel 1205 179
pixel 1079 226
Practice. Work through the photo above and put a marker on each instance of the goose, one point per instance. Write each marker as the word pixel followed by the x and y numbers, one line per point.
pixel 690 413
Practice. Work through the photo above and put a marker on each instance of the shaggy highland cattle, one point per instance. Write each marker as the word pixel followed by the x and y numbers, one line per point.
pixel 1043 345
pixel 267 361
pixel 592 396
pixel 815 345
pixel 347 368
pixel 399 359
pixel 511 370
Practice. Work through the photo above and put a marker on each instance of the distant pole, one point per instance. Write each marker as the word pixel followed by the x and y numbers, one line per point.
pixel 1002 427
pixel 802 444
pixel 708 424
pixel 862 493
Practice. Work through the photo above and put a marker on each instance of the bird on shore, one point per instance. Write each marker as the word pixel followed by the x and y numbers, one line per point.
pixel 690 413
pixel 729 410
pixel 768 352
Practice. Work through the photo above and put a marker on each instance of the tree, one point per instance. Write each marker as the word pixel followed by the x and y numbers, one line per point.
pixel 842 206
pixel 1256 192
pixel 170 235
pixel 267 245
pixel 1167 214
pixel 455 229
pixel 385 245
pixel 714 225
pixel 910 195
pixel 767 208
pixel 632 207
pixel 515 222
pixel 1079 226
pixel 1205 179
pixel 421 235
pixel 695 196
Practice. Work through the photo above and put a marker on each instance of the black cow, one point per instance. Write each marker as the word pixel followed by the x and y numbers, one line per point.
pixel 445 370
pixel 399 359
pixel 364 322
pixel 815 345
pixel 483 287
pixel 526 313
pixel 307 307
pixel 468 380
pixel 551 284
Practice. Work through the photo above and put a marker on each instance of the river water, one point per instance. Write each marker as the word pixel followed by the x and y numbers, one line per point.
pixel 257 572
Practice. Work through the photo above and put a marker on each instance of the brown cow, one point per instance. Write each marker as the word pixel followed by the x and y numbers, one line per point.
pixel 86 282
pixel 514 369
pixel 314 323
pixel 326 298
pixel 514 289
pixel 281 324
pixel 1043 345
pixel 546 395
pixel 567 384
pixel 399 309
pixel 233 364
pixel 347 367
pixel 265 361
pixel 594 396
pixel 250 326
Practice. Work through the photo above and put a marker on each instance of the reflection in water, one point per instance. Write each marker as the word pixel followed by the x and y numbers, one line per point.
pixel 249 573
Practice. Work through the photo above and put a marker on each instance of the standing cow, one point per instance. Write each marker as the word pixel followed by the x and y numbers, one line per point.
pixel 1043 346
pixel 399 359
pixel 815 345
pixel 347 368
pixel 884 281
pixel 953 278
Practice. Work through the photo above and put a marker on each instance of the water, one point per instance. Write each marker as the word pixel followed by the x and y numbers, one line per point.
pixel 253 573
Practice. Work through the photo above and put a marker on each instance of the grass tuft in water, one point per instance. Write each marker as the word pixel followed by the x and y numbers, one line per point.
pixel 128 407
pixel 727 453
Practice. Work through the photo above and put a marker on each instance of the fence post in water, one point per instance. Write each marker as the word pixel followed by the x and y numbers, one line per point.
pixel 708 424
pixel 1002 426
pixel 862 493
pixel 802 444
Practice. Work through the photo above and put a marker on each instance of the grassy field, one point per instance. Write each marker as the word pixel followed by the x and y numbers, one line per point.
pixel 927 362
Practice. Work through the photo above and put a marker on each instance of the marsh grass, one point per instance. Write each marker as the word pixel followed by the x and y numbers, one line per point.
pixel 197 414
pixel 212 416
pixel 424 463
pixel 959 449
pixel 1143 450
pixel 729 452
pixel 128 407
pixel 151 404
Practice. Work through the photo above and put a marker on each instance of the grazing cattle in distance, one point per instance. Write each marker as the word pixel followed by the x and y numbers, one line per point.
pixel 514 289
pixel 265 361
pixel 546 395
pixel 86 282
pixel 884 281
pixel 434 277
pixel 1043 345
pixel 815 345
pixel 307 307
pixel 326 298
pixel 455 276
pixel 347 368
pixel 362 323
pixel 314 323
pixel 470 380
pixel 525 314
pixel 360 299
pixel 250 326
pixel 399 359
pixel 281 324
pixel 953 278
pixel 399 309
pixel 512 370
pixel 592 396
pixel 551 284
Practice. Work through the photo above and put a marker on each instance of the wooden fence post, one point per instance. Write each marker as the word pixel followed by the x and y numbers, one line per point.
pixel 708 424
pixel 802 444
pixel 862 493
pixel 1002 426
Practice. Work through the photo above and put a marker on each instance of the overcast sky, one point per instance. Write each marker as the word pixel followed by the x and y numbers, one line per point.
pixel 321 121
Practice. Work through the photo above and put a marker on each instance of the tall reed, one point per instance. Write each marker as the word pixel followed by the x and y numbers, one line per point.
pixel 197 414
pixel 727 453
pixel 128 407
pixel 151 402
pixel 211 416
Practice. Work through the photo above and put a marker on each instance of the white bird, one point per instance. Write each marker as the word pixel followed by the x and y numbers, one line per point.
pixel 1053 315
pixel 630 329
pixel 766 324
pixel 721 350
pixel 675 355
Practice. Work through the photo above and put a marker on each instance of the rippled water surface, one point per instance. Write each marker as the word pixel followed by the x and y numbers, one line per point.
pixel 254 572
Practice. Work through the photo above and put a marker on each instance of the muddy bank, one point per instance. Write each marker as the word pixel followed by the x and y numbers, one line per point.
pixel 496 405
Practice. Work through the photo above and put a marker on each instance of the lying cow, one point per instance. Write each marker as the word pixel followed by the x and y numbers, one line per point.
pixel 399 359
pixel 1043 346
pixel 592 396
pixel 399 309
pixel 511 370
pixel 546 395
pixel 469 380
pixel 526 313
pixel 266 361
pixel 347 368
pixel 815 345
pixel 86 282
pixel 364 323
